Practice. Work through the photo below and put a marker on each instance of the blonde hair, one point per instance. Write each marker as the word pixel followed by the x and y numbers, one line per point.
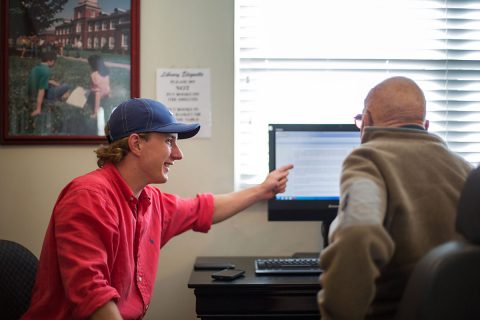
pixel 116 150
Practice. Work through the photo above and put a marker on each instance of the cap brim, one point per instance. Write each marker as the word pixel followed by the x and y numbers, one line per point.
pixel 183 130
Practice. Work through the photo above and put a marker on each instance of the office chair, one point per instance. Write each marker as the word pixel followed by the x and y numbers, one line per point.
pixel 468 218
pixel 18 267
pixel 445 283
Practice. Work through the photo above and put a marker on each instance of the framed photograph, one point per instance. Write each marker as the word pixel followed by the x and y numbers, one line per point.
pixel 65 65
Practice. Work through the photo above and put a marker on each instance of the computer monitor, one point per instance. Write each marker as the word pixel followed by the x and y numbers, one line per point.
pixel 317 152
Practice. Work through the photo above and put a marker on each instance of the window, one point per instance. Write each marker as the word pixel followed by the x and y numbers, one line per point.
pixel 313 61
pixel 111 43
pixel 103 42
pixel 124 41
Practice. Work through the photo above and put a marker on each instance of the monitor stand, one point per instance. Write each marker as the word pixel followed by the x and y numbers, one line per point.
pixel 325 230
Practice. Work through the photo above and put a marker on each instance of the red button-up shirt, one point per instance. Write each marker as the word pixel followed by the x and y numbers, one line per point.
pixel 103 244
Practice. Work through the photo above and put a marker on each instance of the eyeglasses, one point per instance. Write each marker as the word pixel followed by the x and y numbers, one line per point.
pixel 358 120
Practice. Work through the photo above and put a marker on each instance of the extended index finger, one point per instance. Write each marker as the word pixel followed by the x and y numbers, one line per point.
pixel 285 167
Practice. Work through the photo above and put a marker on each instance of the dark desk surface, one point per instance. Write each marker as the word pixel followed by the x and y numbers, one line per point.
pixel 253 296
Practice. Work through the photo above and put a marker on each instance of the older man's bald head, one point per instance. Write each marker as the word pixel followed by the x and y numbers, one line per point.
pixel 395 102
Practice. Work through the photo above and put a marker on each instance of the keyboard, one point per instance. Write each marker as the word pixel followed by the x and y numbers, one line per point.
pixel 287 266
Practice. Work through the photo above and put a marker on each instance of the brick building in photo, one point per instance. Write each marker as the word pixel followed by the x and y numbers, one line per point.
pixel 92 29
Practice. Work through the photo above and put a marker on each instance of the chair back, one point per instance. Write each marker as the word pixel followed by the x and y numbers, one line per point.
pixel 468 217
pixel 445 283
pixel 18 268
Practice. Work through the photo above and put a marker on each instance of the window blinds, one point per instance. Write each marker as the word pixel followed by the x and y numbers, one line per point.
pixel 313 61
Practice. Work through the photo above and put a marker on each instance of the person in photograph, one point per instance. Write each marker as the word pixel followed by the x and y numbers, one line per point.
pixel 39 85
pixel 24 44
pixel 78 49
pixel 100 254
pixel 100 83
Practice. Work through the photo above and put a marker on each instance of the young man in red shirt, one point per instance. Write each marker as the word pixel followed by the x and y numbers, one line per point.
pixel 100 254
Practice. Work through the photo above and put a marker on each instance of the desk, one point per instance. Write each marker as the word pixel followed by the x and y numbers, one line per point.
pixel 254 296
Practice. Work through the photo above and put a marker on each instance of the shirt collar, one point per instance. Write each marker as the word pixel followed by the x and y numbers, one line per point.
pixel 116 178
pixel 413 126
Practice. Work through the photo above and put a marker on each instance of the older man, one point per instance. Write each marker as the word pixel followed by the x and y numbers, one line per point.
pixel 399 195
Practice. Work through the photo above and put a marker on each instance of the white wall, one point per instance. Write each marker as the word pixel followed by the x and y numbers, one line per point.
pixel 174 34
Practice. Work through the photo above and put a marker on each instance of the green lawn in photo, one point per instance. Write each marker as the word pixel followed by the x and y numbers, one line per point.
pixel 60 118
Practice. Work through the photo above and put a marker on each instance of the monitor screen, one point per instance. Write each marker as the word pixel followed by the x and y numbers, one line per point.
pixel 317 152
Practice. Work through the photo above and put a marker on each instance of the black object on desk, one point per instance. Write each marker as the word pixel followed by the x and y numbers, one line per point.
pixel 253 296
pixel 228 274
pixel 213 265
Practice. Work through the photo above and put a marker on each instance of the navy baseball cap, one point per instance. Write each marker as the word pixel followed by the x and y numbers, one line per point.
pixel 139 115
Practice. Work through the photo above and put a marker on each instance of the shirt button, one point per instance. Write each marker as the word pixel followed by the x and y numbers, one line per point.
pixel 140 279
pixel 146 307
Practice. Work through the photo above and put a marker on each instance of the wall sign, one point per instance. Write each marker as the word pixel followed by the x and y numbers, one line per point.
pixel 187 93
